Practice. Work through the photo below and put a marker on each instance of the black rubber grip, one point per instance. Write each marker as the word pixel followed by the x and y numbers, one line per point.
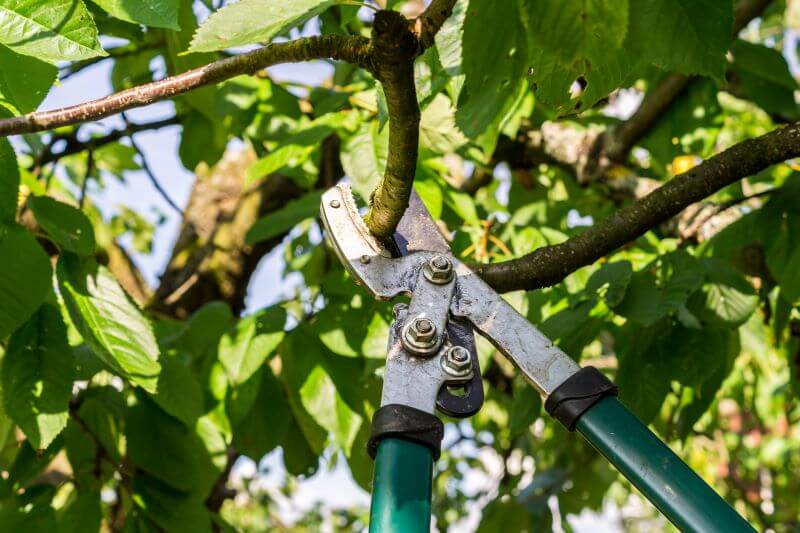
pixel 403 422
pixel 578 394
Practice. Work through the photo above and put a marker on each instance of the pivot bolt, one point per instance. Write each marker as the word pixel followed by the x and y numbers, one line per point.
pixel 335 204
pixel 457 362
pixel 419 336
pixel 438 270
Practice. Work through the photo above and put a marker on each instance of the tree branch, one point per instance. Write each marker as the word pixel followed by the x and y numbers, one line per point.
pixel 551 264
pixel 150 174
pixel 75 146
pixel 355 50
pixel 394 50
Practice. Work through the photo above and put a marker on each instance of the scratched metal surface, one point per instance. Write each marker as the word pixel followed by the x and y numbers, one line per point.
pixel 543 364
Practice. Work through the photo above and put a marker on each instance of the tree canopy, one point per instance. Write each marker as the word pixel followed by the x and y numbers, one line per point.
pixel 625 171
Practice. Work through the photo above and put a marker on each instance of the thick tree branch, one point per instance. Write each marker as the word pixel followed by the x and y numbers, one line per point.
pixel 355 50
pixel 394 50
pixel 549 265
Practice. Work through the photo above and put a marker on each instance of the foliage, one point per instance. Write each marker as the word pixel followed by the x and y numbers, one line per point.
pixel 152 406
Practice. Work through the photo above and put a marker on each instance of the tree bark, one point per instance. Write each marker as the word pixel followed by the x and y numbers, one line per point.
pixel 551 264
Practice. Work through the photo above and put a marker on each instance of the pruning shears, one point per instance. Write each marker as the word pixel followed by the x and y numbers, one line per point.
pixel 431 354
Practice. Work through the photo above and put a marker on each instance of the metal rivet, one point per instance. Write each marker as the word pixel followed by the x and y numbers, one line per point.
pixel 365 259
pixel 335 204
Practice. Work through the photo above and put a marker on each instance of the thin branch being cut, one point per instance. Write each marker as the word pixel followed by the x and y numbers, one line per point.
pixel 355 50
pixel 394 50
pixel 551 264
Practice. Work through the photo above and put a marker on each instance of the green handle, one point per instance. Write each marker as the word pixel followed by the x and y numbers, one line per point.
pixel 401 488
pixel 674 488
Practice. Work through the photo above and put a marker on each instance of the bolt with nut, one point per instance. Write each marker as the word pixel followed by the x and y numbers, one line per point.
pixel 457 362
pixel 420 336
pixel 439 270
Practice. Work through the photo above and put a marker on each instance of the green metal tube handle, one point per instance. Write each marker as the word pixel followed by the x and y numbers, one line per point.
pixel 674 488
pixel 401 488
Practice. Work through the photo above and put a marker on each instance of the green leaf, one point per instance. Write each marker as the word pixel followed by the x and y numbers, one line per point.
pixel 291 153
pixel 166 449
pixel 437 128
pixel 493 67
pixel 687 36
pixel 201 141
pixel 102 411
pixel 526 407
pixel 364 157
pixel 110 323
pixel 613 279
pixel 576 31
pixel 50 30
pixel 67 226
pixel 284 219
pixel 25 277
pixel 160 507
pixel 156 13
pixel 37 375
pixel 9 185
pixel 179 392
pixel 254 21
pixel 661 288
pixel 321 399
pixel 24 81
pixel 298 456
pixel 765 77
pixel 726 300
pixel 266 423
pixel 82 514
pixel 245 347
pixel 203 329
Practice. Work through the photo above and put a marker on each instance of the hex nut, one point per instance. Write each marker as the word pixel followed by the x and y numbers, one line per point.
pixel 420 336
pixel 422 330
pixel 457 361
pixel 438 270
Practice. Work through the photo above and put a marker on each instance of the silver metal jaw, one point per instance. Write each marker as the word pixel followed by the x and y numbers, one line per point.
pixel 414 370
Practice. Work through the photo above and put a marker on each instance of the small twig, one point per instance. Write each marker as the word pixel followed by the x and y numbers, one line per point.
pixel 690 232
pixel 74 146
pixel 87 176
pixel 149 172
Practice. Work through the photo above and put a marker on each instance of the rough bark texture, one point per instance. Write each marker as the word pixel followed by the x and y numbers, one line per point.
pixel 210 260
pixel 549 265
pixel 394 50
